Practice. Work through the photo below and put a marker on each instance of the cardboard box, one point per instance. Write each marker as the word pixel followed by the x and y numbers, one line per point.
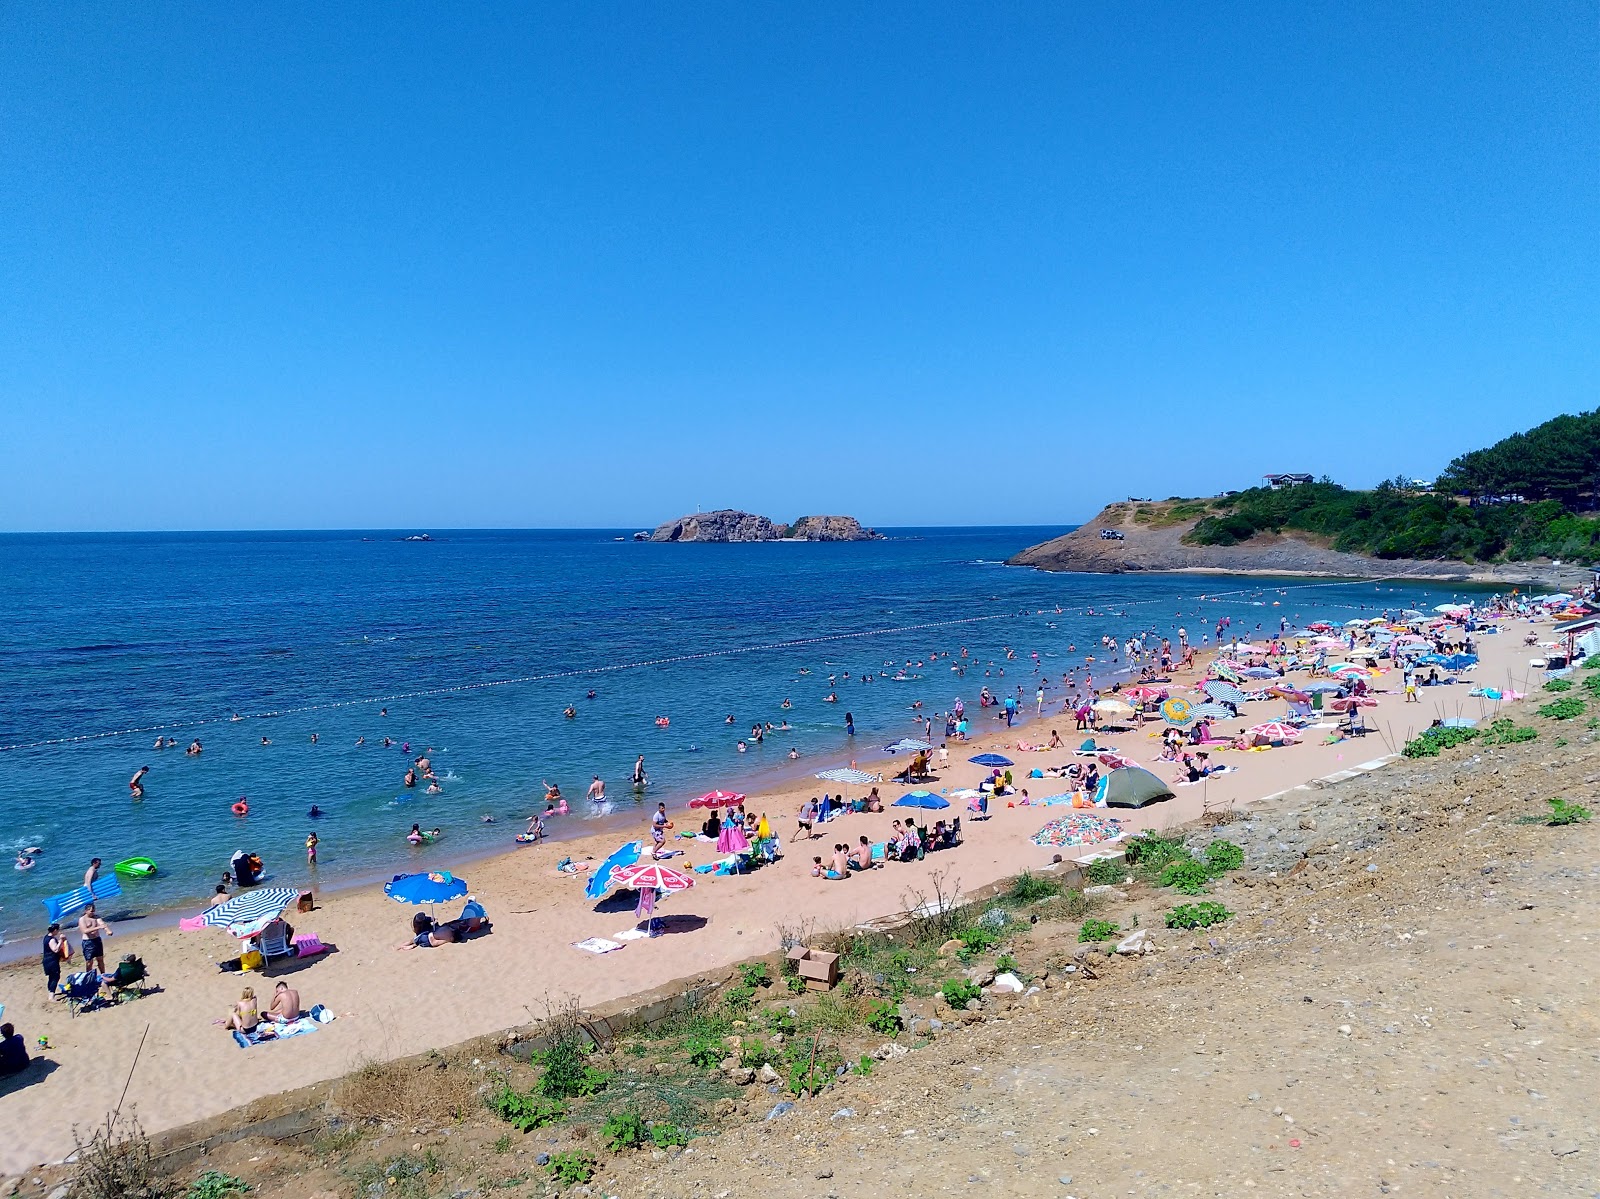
pixel 819 969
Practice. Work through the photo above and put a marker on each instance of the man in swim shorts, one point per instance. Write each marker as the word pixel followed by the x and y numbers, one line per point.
pixel 596 791
pixel 93 929
pixel 659 824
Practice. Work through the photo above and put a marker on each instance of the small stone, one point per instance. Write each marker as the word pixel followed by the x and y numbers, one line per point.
pixel 62 1192
pixel 1065 1180
pixel 767 1073
pixel 1134 943
pixel 826 1172
pixel 742 1077
pixel 779 1109
pixel 973 1005
pixel 844 1113
pixel 1564 1148
pixel 728 1064
pixel 935 1025
pixel 542 1160
pixel 1007 982
pixel 1346 1029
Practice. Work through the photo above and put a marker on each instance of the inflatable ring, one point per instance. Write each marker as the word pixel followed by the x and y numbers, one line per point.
pixel 240 809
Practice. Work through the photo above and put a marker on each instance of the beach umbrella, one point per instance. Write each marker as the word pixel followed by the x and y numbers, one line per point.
pixel 1142 693
pixel 1081 828
pixel 1319 685
pixel 1459 661
pixel 1274 730
pixel 1244 647
pixel 435 886
pixel 991 760
pixel 600 879
pixel 907 745
pixel 1130 787
pixel 1211 712
pixel 1260 672
pixel 1364 652
pixel 731 838
pixel 1178 711
pixel 845 774
pixel 1450 609
pixel 247 914
pixel 921 799
pixel 1113 707
pixel 1115 760
pixel 1352 701
pixel 651 876
pixel 1347 668
pixel 718 799
pixel 1223 671
pixel 1224 693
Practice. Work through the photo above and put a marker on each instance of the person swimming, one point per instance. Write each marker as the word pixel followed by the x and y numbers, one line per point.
pixel 315 812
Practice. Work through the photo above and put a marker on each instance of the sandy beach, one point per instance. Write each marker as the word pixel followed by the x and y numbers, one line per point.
pixel 391 1003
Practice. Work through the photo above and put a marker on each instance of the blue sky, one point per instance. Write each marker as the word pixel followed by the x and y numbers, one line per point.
pixel 433 266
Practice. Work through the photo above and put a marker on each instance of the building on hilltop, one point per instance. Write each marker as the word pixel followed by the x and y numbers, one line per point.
pixel 1276 482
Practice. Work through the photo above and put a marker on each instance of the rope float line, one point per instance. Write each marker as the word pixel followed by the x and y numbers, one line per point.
pixel 793 643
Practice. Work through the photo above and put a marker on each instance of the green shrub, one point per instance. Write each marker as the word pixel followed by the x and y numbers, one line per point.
pixel 1189 877
pixel 624 1130
pixel 782 1020
pixel 1562 812
pixel 978 938
pixel 705 1049
pixel 1005 964
pixel 812 1064
pixel 1223 856
pixel 1563 709
pixel 864 1066
pixel 1506 731
pixel 572 1167
pixel 958 991
pixel 1558 685
pixel 1433 740
pixel 754 975
pixel 525 1110
pixel 1106 872
pixel 214 1184
pixel 1028 887
pixel 1152 852
pixel 884 1018
pixel 795 983
pixel 1197 915
pixel 1097 930
pixel 665 1135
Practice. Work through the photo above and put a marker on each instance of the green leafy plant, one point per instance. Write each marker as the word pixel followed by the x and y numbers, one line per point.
pixel 502 1143
pixel 1563 709
pixel 1106 872
pixel 1005 964
pixel 525 1110
pixel 755 975
pixel 1223 856
pixel 884 1018
pixel 1560 742
pixel 665 1135
pixel 1152 852
pixel 214 1184
pixel 1432 741
pixel 959 991
pixel 795 983
pixel 978 938
pixel 1097 930
pixel 738 999
pixel 705 1050
pixel 572 1167
pixel 1028 887
pixel 624 1130
pixel 1558 685
pixel 1197 915
pixel 1506 731
pixel 1562 812
pixel 864 1066
pixel 782 1020
pixel 1188 876
pixel 811 1066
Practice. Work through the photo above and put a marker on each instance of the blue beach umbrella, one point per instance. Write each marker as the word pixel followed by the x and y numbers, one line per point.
pixel 1211 712
pixel 1325 688
pixel 1223 693
pixel 600 880
pixel 921 799
pixel 435 886
pixel 247 914
pixel 991 760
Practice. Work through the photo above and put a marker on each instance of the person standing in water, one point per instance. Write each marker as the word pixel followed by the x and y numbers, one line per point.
pixel 597 791
pixel 640 779
pixel 136 783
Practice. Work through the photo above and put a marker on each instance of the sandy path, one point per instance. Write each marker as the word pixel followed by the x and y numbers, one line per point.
pixel 393 1003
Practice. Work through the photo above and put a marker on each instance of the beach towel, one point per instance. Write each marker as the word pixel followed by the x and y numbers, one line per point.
pixel 596 945
pixel 267 1033
pixel 631 934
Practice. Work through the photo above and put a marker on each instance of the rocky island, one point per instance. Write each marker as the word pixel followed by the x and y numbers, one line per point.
pixel 729 524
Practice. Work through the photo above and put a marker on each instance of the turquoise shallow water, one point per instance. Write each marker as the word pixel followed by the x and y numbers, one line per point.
pixel 474 643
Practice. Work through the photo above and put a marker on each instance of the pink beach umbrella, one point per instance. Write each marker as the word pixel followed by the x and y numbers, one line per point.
pixel 1274 730
pixel 718 799
pixel 652 876
pixel 731 838
pixel 1144 693
pixel 1353 701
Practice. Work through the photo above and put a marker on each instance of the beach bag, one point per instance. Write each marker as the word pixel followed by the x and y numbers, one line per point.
pixel 252 960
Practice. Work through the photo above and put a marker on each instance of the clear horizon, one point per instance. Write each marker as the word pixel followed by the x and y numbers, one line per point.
pixel 493 267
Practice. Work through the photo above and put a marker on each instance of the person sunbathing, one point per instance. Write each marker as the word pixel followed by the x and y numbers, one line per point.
pixel 861 859
pixel 285 1007
pixel 245 1016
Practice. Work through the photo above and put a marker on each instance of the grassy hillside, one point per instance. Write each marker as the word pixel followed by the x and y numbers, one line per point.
pixel 1390 523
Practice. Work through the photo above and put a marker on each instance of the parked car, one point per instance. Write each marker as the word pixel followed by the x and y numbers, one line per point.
pixel 1111 535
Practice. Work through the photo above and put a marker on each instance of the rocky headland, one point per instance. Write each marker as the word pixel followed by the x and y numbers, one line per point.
pixel 1153 540
pixel 729 524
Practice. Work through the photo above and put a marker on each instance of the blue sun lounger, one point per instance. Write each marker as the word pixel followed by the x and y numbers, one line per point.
pixel 69 903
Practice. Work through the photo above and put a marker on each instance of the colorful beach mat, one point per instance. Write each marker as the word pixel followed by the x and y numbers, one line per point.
pixel 1081 828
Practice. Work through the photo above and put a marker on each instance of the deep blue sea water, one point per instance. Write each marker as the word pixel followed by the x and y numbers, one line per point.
pixel 305 633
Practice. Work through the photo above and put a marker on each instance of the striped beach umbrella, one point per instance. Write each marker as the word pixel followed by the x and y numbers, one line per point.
pixel 844 774
pixel 247 914
pixel 1211 712
pixel 1223 693
pixel 907 745
pixel 1274 730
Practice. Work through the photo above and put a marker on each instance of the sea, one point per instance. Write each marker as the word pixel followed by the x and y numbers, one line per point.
pixel 314 666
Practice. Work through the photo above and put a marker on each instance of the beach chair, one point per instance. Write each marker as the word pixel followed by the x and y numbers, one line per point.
pixel 955 832
pixel 125 979
pixel 274 941
pixel 81 989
